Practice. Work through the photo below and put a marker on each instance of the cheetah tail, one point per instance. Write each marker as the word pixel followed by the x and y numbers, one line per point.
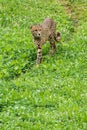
pixel 57 37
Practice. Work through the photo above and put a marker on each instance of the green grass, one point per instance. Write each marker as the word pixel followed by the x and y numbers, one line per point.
pixel 53 95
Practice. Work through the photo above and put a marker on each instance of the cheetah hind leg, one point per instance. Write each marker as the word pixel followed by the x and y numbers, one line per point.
pixel 52 48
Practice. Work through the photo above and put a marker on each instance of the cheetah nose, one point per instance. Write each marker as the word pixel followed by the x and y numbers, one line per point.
pixel 39 34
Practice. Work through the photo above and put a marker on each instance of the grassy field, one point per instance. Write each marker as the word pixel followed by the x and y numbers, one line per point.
pixel 53 95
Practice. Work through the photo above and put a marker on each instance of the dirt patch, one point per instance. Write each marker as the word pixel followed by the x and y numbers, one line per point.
pixel 70 11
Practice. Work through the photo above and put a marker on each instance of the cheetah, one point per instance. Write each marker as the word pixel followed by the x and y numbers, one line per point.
pixel 42 33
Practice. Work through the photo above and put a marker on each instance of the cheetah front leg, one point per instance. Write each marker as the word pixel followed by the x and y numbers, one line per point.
pixel 39 55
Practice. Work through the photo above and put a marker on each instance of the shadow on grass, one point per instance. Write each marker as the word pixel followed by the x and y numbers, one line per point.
pixel 26 63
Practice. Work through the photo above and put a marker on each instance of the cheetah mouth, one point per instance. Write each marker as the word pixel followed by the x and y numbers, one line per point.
pixel 37 37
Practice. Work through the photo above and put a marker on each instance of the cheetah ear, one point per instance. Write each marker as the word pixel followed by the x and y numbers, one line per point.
pixel 30 27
